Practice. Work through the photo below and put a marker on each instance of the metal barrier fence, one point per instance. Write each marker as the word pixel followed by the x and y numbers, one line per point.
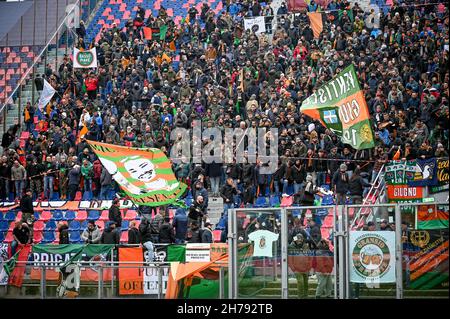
pixel 368 263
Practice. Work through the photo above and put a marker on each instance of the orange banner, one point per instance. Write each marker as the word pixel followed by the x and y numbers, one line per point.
pixel 130 275
pixel 404 192
pixel 315 19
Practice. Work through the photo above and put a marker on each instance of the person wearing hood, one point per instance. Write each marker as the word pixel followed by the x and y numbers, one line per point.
pixel 166 232
pixel 111 234
pixel 92 234
pixel 180 223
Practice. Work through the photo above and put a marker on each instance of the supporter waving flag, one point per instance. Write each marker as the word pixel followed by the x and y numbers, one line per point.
pixel 341 103
pixel 145 175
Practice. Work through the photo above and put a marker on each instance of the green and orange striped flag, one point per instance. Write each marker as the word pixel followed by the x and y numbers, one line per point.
pixel 432 217
pixel 341 103
pixel 145 175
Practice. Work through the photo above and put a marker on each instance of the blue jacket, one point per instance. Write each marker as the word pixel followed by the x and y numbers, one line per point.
pixel 180 223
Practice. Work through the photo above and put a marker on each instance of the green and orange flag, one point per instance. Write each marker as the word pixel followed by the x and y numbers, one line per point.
pixel 145 175
pixel 340 105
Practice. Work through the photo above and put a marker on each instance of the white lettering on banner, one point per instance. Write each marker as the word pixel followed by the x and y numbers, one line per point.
pixel 349 111
pixel 151 284
pixel 405 192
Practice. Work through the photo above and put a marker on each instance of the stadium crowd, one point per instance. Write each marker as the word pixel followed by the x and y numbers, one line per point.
pixel 138 95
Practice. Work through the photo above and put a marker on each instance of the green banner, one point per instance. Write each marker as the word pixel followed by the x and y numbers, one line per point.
pixel 341 103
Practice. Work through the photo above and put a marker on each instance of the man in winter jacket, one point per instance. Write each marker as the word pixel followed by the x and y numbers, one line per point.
pixel 114 213
pixel 105 183
pixel 92 234
pixel 227 193
pixel 74 177
pixel 340 184
pixel 111 234
pixel 134 236
pixel 180 223
pixel 63 233
pixel 166 232
pixel 207 235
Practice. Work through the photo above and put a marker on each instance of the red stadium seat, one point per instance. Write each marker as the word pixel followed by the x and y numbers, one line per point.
pixel 124 237
pixel 100 224
pixel 81 215
pixel 38 225
pixel 37 236
pixel 104 216
pixel 130 215
pixel 45 216
pixel 216 234
pixel 9 237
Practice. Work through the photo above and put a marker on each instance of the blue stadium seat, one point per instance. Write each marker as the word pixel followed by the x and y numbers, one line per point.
pixel 327 200
pixel 296 212
pixel 49 236
pixel 36 216
pixel 261 202
pixel 10 216
pixel 83 224
pixel 51 225
pixel 2 236
pixel 74 225
pixel 69 215
pixel 87 196
pixel 125 224
pixel 55 196
pixel 74 236
pixel 57 215
pixel 1 216
pixel 274 201
pixel 93 215
pixel 4 225
pixel 325 187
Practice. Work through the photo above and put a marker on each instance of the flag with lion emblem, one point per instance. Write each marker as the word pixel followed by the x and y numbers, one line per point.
pixel 341 103
pixel 145 175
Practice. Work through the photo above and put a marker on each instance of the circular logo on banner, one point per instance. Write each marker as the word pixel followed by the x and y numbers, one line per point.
pixel 420 238
pixel 85 58
pixel 371 256
pixel 366 133
pixel 255 28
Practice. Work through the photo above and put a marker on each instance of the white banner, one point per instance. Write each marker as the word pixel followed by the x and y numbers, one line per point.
pixel 151 283
pixel 372 257
pixel 46 95
pixel 84 59
pixel 198 252
pixel 257 24
pixel 3 258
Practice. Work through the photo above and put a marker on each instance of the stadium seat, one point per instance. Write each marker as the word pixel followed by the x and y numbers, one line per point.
pixel 69 215
pixel 78 196
pixel 38 225
pixel 4 225
pixel 81 215
pixel 51 225
pixel 74 225
pixel 10 216
pixel 274 201
pixel 37 236
pixel 2 236
pixel 58 216
pixel 45 216
pixel 74 236
pixel 100 224
pixel 125 224
pixel 83 225
pixel 49 236
pixel 1 216
pixel 130 215
pixel 261 202
pixel 104 216
pixel 93 215
pixel 19 216
pixel 124 237
pixel 216 234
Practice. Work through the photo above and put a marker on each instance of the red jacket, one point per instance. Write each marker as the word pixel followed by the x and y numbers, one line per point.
pixel 91 84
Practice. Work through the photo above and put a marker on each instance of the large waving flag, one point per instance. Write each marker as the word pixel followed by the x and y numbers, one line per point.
pixel 145 175
pixel 340 105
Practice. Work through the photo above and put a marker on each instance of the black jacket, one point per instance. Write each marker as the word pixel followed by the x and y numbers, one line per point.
pixel 356 186
pixel 196 210
pixel 145 229
pixel 207 236
pixel 227 193
pixel 115 215
pixel 26 205
pixel 64 235
pixel 341 182
pixel 134 237
pixel 166 234
pixel 110 236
